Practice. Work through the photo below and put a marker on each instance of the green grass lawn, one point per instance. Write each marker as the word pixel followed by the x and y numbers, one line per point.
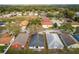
pixel 2 48
pixel 52 51
pixel 19 18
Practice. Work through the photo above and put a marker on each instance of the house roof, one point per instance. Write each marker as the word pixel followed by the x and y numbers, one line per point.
pixel 74 23
pixel 24 23
pixel 5 39
pixel 37 40
pixel 1 23
pixel 4 31
pixel 67 39
pixel 46 21
pixel 54 41
pixel 21 39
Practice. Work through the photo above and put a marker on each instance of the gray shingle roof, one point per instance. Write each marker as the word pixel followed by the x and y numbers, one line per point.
pixel 67 39
pixel 21 38
pixel 37 40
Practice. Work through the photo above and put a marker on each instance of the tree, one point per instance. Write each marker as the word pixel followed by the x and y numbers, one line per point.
pixel 34 25
pixel 13 28
pixel 77 30
pixel 55 25
pixel 69 13
pixel 35 22
pixel 76 19
pixel 67 27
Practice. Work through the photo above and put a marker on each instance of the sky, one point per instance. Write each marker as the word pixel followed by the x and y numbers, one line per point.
pixel 39 2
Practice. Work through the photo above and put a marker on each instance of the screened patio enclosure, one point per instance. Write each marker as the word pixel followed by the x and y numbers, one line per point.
pixel 54 41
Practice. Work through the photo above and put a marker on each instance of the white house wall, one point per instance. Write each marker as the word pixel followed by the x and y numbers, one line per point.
pixel 74 46
pixel 46 26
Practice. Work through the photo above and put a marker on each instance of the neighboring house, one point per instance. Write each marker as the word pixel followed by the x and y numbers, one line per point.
pixel 19 13
pixel 58 22
pixel 23 25
pixel 4 31
pixel 5 39
pixel 69 41
pixel 77 13
pixel 21 40
pixel 25 14
pixel 75 24
pixel 74 46
pixel 2 24
pixel 36 14
pixel 33 13
pixel 8 15
pixel 43 14
pixel 46 23
pixel 54 41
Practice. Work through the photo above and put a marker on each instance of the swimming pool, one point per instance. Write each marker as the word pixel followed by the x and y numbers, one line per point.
pixel 76 37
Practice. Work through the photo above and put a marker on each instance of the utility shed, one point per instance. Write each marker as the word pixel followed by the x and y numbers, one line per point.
pixel 54 41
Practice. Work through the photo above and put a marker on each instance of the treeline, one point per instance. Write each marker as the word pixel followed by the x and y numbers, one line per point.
pixel 23 8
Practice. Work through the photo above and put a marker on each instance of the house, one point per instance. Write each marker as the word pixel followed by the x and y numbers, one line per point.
pixel 54 41
pixel 31 14
pixel 2 24
pixel 77 13
pixel 4 31
pixel 36 14
pixel 23 24
pixel 25 13
pixel 6 15
pixel 5 39
pixel 19 13
pixel 69 41
pixel 46 23
pixel 74 46
pixel 43 14
pixel 37 42
pixel 57 21
pixel 75 24
pixel 21 40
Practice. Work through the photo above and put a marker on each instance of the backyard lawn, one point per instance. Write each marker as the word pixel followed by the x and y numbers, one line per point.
pixel 2 48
